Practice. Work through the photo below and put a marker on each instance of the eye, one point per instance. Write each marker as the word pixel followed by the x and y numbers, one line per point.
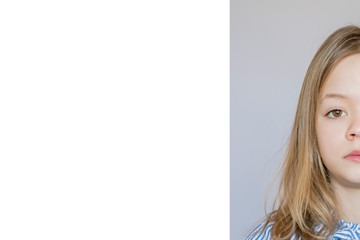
pixel 336 113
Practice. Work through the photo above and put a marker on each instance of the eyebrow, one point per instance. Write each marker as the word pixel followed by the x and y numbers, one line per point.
pixel 333 95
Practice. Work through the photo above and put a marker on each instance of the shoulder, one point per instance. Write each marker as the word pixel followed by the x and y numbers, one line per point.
pixel 261 233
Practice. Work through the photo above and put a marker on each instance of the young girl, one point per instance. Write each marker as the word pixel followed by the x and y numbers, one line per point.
pixel 319 193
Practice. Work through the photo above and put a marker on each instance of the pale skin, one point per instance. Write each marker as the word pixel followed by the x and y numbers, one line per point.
pixel 338 133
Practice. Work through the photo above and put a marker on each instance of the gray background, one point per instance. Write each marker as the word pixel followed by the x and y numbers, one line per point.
pixel 272 44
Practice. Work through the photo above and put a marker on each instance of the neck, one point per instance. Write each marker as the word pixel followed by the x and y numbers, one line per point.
pixel 348 200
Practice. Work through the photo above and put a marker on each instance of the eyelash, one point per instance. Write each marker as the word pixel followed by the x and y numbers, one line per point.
pixel 334 118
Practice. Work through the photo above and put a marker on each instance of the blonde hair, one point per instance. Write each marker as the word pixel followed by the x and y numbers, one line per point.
pixel 305 197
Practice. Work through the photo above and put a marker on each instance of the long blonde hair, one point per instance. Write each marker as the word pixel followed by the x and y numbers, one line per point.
pixel 305 198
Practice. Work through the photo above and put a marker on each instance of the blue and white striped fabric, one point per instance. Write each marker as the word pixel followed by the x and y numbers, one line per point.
pixel 346 230
pixel 257 234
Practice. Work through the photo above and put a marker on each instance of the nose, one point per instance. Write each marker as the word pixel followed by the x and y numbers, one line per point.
pixel 354 129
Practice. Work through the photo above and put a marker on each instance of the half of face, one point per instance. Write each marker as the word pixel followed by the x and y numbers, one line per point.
pixel 338 122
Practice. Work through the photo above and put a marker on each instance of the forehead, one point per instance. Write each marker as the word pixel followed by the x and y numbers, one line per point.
pixel 344 78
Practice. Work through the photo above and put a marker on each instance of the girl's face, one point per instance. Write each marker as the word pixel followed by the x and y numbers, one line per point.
pixel 338 122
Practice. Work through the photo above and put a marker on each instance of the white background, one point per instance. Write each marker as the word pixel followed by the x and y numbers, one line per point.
pixel 114 120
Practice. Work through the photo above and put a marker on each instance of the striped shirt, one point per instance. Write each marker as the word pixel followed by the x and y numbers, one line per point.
pixel 346 230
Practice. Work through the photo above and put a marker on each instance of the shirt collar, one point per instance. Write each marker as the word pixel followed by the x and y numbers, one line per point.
pixel 347 230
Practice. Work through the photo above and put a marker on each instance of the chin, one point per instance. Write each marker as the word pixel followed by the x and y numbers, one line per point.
pixel 351 182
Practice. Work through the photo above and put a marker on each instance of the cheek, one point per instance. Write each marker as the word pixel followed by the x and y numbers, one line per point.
pixel 329 136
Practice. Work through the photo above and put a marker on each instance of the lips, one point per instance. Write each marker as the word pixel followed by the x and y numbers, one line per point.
pixel 354 156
